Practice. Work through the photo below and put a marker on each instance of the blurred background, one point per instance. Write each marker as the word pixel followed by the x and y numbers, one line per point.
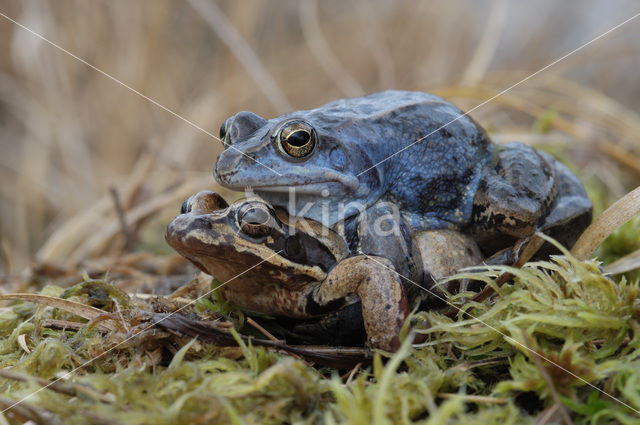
pixel 81 154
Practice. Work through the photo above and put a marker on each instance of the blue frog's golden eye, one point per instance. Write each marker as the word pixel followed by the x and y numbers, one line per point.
pixel 296 139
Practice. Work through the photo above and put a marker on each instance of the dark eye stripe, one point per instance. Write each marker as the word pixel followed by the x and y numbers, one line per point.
pixel 304 249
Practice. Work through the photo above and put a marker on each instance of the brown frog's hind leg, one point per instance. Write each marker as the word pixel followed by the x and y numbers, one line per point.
pixel 570 213
pixel 384 303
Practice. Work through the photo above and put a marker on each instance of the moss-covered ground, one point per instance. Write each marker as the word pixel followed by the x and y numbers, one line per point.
pixel 560 342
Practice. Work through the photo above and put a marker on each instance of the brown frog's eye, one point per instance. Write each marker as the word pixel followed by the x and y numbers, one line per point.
pixel 296 139
pixel 256 219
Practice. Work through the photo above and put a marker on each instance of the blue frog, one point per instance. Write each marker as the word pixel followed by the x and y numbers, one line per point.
pixel 412 150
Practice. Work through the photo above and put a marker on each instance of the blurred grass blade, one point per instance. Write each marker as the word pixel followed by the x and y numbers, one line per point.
pixel 219 23
pixel 625 264
pixel 615 216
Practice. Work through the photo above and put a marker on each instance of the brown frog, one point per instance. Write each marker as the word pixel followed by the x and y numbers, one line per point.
pixel 282 266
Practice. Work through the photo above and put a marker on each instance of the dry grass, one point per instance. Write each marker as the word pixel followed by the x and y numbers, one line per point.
pixel 559 344
pixel 69 134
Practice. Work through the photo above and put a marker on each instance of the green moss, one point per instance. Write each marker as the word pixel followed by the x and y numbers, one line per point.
pixel 582 326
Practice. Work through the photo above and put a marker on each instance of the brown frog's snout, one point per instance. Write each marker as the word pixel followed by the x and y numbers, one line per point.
pixel 205 201
pixel 173 234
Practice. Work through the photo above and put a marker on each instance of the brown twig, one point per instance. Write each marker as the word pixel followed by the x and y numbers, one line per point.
pixel 262 330
pixel 128 237
pixel 65 325
pixel 336 357
pixel 531 246
pixel 547 414
pixel 26 412
pixel 527 248
pixel 599 342
pixel 350 375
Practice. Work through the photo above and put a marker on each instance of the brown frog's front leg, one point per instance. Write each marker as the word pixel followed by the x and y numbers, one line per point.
pixel 384 303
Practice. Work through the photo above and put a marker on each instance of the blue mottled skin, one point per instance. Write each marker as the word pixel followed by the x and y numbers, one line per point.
pixel 433 182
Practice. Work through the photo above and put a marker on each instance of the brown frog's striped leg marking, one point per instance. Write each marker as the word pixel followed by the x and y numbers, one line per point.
pixel 384 303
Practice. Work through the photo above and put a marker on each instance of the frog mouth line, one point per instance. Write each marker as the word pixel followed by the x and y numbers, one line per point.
pixel 305 188
pixel 331 180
